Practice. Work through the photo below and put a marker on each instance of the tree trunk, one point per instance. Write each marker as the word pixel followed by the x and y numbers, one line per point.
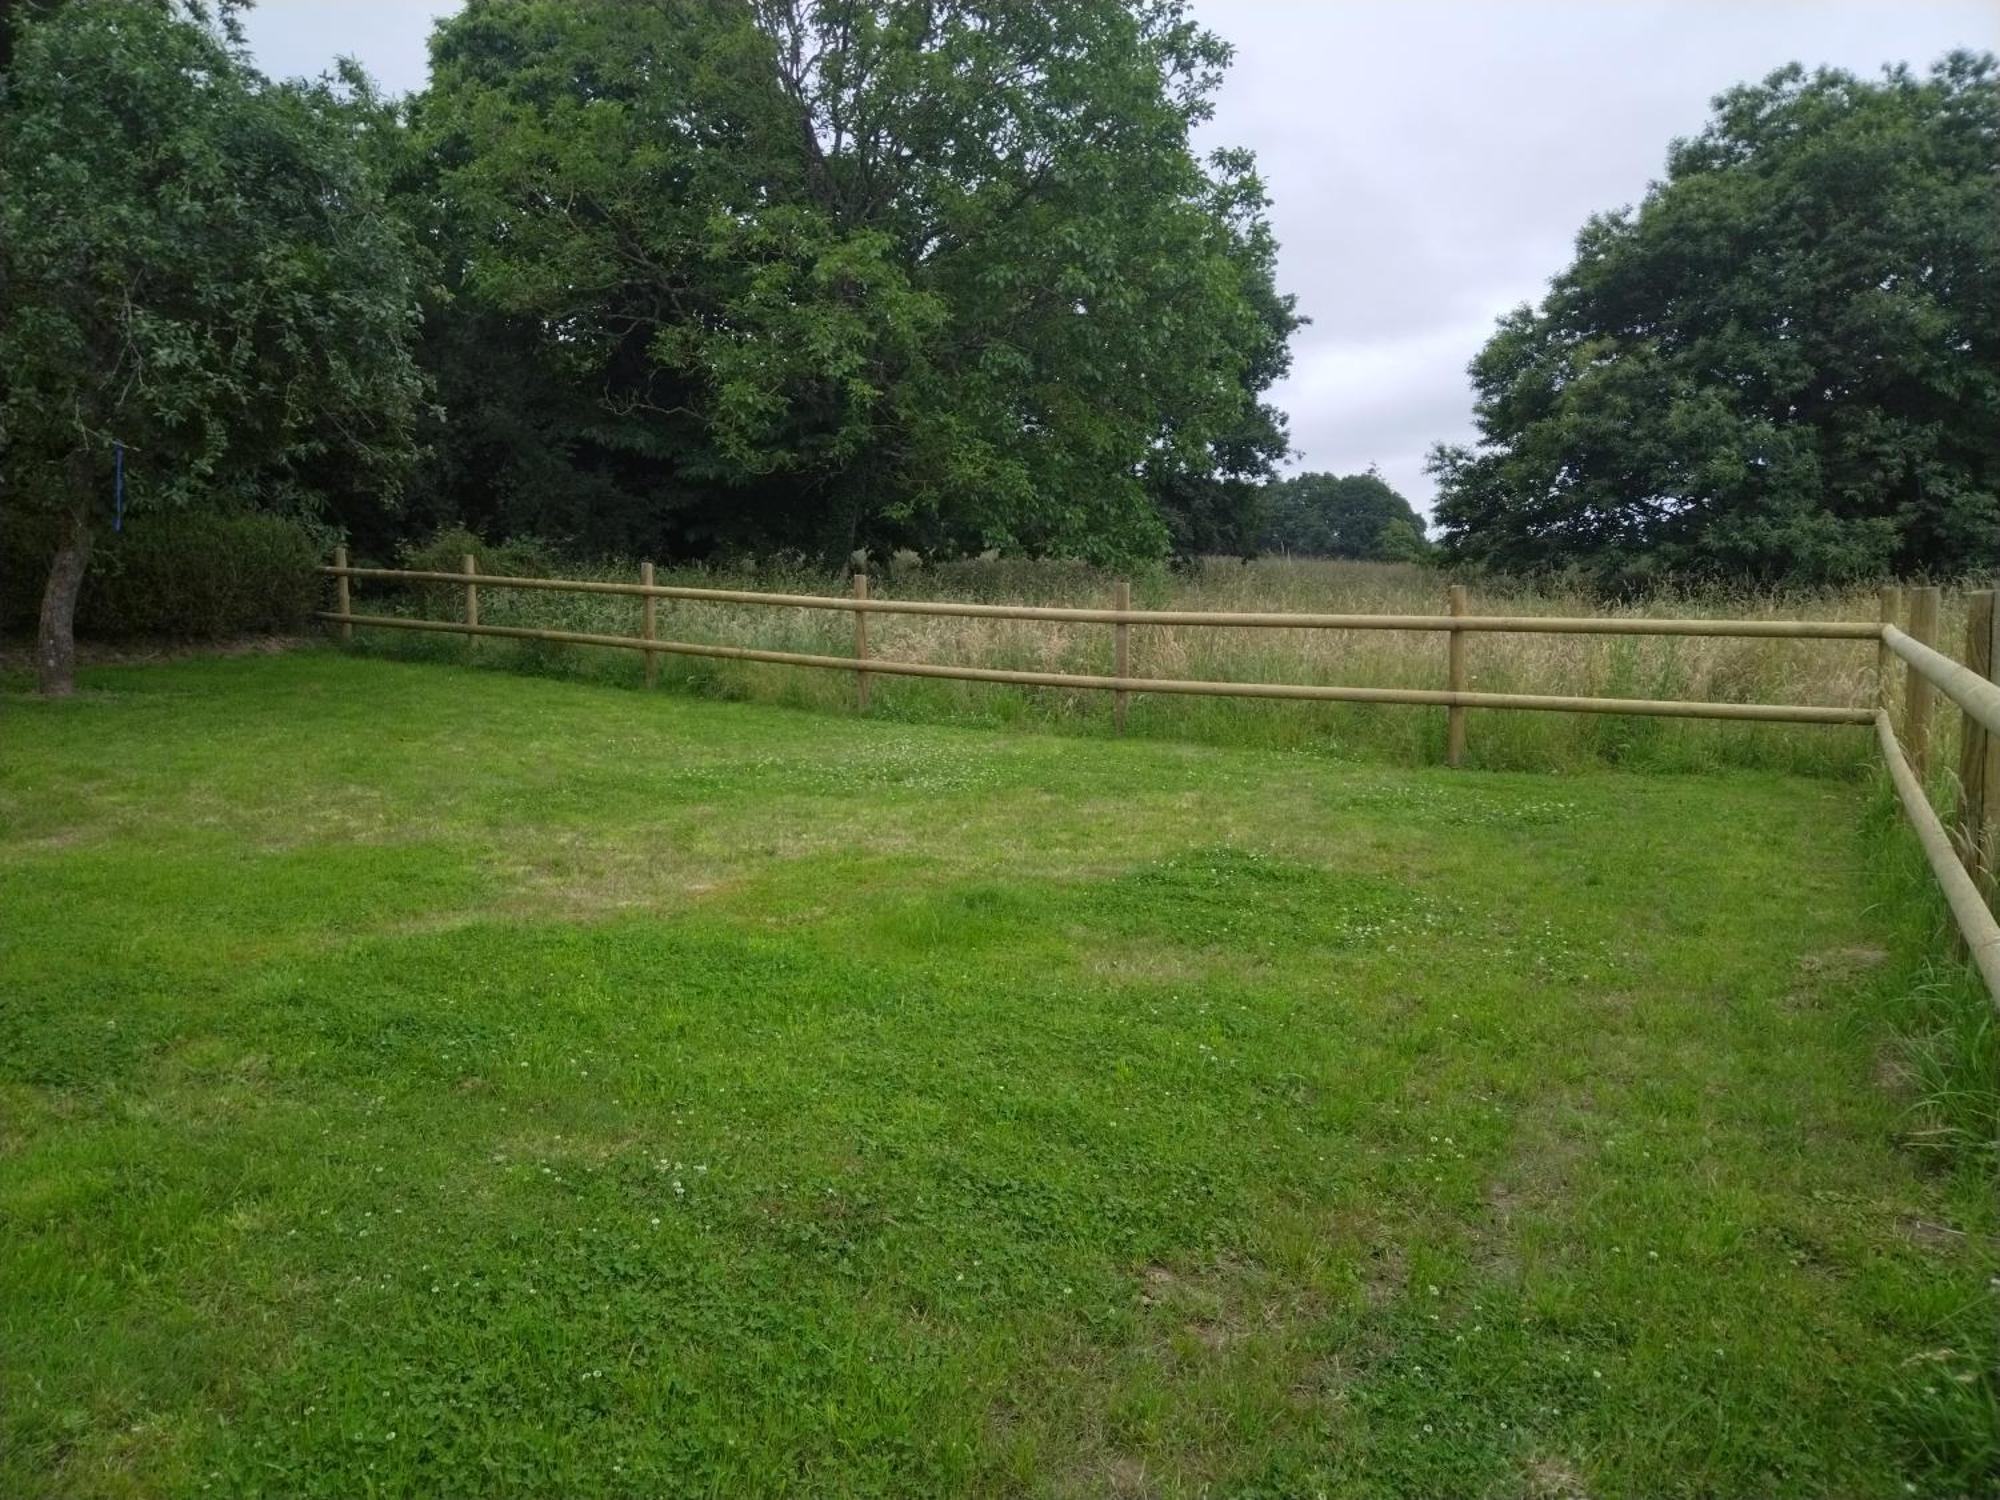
pixel 55 644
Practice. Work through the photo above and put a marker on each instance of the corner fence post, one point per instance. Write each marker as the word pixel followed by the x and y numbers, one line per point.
pixel 341 603
pixel 1885 659
pixel 649 619
pixel 1917 687
pixel 470 565
pixel 1454 717
pixel 861 643
pixel 1121 651
pixel 1978 754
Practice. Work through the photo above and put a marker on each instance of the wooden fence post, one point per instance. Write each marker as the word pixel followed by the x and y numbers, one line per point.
pixel 649 616
pixel 470 565
pixel 861 643
pixel 1979 754
pixel 1454 718
pixel 1885 659
pixel 341 602
pixel 1917 687
pixel 1988 874
pixel 1121 651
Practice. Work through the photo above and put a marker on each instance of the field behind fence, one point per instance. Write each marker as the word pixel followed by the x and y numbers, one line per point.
pixel 1713 668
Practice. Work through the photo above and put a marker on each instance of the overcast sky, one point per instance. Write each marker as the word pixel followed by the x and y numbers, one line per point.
pixel 1430 161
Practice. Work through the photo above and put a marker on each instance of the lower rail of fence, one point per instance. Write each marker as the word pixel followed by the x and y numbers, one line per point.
pixel 1968 908
pixel 1774 713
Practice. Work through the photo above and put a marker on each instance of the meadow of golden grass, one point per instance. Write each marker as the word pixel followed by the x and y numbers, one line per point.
pixel 1720 668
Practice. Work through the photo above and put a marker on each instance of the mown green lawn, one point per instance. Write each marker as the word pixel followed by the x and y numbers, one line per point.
pixel 420 1081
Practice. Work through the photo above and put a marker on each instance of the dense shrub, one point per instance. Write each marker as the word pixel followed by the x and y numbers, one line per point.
pixel 181 574
pixel 446 550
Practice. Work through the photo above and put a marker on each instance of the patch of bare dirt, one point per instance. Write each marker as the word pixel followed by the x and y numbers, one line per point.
pixel 1929 1234
pixel 1125 1476
pixel 1219 1306
pixel 62 838
pixel 1844 960
pixel 1819 972
pixel 1552 1479
pixel 1890 1071
pixel 1385 1275
pixel 582 880
pixel 1149 965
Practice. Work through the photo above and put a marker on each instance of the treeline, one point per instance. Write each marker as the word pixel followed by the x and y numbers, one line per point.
pixel 1355 516
pixel 1782 367
pixel 742 277
pixel 680 280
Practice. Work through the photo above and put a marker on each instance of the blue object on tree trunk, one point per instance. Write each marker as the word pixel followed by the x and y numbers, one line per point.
pixel 118 487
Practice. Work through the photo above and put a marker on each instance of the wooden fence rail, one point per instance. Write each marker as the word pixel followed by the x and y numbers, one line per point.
pixel 1977 696
pixel 1122 683
pixel 1774 713
pixel 1976 927
pixel 1962 860
pixel 1805 630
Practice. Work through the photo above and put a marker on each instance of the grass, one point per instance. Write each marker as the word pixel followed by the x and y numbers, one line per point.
pixel 417 1081
pixel 1774 671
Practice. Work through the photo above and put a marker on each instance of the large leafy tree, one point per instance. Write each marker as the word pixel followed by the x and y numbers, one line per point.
pixel 1215 508
pixel 827 274
pixel 1358 516
pixel 195 264
pixel 1784 366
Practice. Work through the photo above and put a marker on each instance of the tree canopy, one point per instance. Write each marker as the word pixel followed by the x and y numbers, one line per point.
pixel 824 274
pixel 195 266
pixel 1785 365
pixel 724 277
pixel 1358 516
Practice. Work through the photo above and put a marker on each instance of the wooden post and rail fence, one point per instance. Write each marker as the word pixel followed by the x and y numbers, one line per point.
pixel 1965 858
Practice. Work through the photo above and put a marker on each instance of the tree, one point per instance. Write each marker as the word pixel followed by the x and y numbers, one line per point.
pixel 195 265
pixel 14 17
pixel 1215 508
pixel 1352 516
pixel 828 274
pixel 1784 366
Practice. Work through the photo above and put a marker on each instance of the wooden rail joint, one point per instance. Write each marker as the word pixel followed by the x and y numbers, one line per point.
pixel 1931 668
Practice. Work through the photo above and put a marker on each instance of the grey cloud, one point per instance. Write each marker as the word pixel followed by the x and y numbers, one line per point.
pixel 1430 164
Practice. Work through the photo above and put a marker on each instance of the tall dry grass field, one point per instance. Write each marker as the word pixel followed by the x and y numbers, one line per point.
pixel 1719 668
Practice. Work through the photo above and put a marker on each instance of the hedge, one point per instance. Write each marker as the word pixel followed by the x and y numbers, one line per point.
pixel 178 574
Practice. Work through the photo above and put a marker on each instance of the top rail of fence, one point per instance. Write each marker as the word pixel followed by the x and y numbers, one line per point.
pixel 1841 630
pixel 1958 682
